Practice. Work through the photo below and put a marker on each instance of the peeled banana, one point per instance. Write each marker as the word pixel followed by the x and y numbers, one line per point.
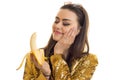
pixel 38 53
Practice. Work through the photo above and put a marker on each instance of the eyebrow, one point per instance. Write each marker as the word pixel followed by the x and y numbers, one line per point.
pixel 65 19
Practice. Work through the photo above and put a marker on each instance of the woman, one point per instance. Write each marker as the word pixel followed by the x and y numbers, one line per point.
pixel 67 52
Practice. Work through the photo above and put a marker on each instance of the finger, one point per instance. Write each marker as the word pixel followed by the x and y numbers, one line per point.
pixel 73 33
pixel 70 32
pixel 67 34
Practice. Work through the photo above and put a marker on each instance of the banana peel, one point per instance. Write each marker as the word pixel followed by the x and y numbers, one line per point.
pixel 38 53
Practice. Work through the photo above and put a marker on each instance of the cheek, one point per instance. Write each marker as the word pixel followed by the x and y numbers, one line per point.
pixel 66 29
pixel 53 27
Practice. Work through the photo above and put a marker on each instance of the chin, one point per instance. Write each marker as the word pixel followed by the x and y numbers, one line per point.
pixel 56 38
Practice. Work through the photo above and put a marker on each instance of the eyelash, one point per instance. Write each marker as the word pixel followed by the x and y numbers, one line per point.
pixel 65 24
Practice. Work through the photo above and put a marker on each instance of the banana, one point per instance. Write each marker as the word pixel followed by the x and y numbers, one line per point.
pixel 38 53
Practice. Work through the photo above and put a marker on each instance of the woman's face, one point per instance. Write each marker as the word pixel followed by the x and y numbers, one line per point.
pixel 64 21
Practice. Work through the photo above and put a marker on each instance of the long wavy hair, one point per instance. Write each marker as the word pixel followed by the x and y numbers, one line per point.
pixel 80 44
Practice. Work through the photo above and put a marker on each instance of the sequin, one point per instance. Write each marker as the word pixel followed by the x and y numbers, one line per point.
pixel 81 69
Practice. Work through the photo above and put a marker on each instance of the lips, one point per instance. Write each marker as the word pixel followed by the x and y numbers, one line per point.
pixel 57 32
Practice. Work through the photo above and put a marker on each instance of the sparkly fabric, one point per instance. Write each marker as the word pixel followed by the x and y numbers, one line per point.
pixel 31 72
pixel 81 69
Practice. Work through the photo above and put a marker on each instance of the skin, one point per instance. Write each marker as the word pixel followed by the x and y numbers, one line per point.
pixel 64 30
pixel 64 21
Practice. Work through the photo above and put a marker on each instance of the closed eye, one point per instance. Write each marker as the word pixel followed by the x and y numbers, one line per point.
pixel 66 24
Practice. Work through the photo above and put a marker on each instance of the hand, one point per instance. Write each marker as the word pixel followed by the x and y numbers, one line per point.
pixel 65 42
pixel 38 58
pixel 45 68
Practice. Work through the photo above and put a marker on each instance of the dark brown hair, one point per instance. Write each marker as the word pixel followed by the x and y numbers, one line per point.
pixel 81 41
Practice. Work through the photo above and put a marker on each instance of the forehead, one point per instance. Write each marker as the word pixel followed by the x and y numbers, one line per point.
pixel 67 14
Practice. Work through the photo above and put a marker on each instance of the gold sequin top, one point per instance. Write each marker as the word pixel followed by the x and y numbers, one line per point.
pixel 81 69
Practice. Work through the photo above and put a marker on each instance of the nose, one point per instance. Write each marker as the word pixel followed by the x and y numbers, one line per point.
pixel 58 25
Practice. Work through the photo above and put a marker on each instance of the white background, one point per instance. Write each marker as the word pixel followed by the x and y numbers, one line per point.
pixel 20 18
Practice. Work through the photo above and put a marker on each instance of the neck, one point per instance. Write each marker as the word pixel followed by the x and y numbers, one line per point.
pixel 65 54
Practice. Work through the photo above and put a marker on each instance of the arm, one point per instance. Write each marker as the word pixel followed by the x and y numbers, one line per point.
pixel 30 71
pixel 83 71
